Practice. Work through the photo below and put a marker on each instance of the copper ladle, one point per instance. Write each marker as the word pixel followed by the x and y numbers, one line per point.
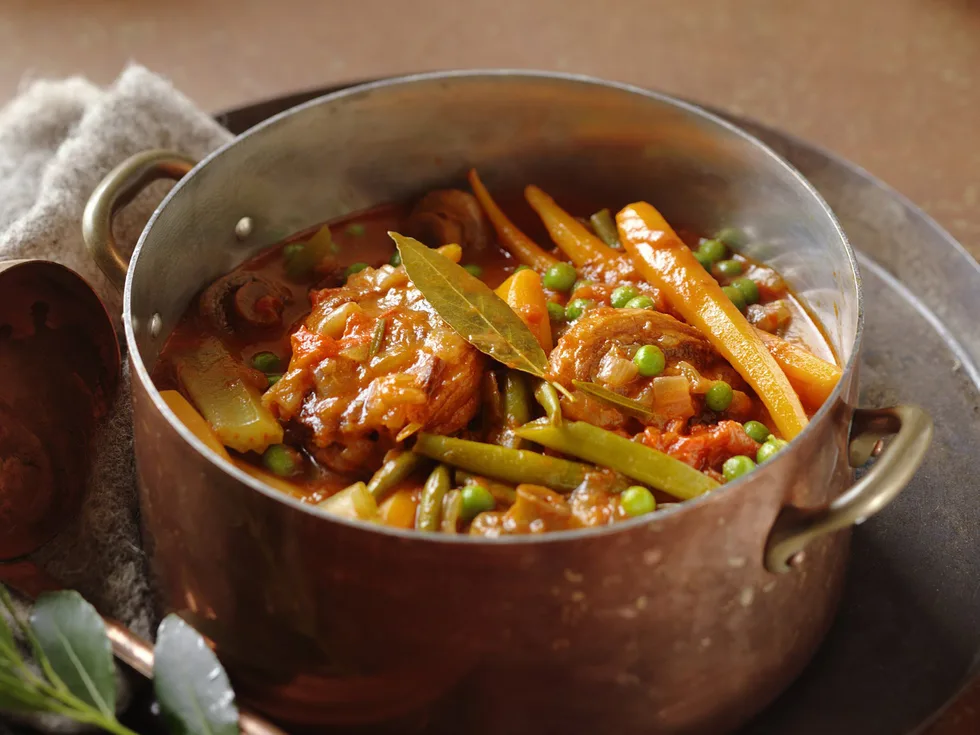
pixel 59 362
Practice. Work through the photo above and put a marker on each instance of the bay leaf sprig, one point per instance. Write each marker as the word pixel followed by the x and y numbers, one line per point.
pixel 68 640
pixel 472 309
pixel 628 406
pixel 69 643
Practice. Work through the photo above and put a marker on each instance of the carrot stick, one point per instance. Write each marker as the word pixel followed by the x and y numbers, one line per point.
pixel 812 378
pixel 664 260
pixel 523 293
pixel 516 242
pixel 570 235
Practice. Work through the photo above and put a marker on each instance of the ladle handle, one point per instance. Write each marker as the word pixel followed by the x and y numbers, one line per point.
pixel 30 580
pixel 891 472
pixel 115 191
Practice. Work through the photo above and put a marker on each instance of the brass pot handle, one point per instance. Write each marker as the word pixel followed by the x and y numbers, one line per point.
pixel 891 472
pixel 115 191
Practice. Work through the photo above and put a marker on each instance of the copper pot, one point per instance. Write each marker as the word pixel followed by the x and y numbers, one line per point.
pixel 690 620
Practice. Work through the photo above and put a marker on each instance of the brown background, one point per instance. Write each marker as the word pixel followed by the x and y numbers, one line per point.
pixel 894 85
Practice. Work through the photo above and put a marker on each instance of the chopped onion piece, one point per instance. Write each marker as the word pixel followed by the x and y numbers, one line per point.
pixel 672 396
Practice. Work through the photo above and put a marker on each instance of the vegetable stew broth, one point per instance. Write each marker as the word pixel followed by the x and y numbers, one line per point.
pixel 389 384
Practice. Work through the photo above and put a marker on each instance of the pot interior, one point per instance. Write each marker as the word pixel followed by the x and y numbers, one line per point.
pixel 394 140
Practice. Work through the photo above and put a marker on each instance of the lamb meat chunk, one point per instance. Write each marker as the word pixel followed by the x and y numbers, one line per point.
pixel 599 348
pixel 372 364
pixel 450 216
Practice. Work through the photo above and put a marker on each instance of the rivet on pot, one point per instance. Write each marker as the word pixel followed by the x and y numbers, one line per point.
pixel 136 325
pixel 797 559
pixel 156 324
pixel 244 228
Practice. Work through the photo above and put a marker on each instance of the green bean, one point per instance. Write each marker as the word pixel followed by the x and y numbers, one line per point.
pixel 430 504
pixel 501 493
pixel 604 226
pixel 654 469
pixel 501 463
pixel 452 509
pixel 547 396
pixel 493 404
pixel 392 472
pixel 517 409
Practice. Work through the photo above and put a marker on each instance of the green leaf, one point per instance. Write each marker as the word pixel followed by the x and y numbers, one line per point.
pixel 73 638
pixel 624 404
pixel 471 308
pixel 191 686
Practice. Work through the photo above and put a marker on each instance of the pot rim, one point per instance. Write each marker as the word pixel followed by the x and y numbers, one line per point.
pixel 823 414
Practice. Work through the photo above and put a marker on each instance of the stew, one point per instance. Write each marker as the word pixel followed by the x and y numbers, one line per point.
pixel 437 365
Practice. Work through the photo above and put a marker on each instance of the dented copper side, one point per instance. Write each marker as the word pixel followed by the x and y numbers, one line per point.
pixel 59 368
pixel 688 620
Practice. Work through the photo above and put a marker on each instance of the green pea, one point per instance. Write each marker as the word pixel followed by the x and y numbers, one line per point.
pixel 356 229
pixel 396 259
pixel 556 312
pixel 768 450
pixel 719 396
pixel 354 268
pixel 291 250
pixel 522 267
pixel 273 378
pixel 282 460
pixel 736 296
pixel 757 431
pixel 749 289
pixel 474 270
pixel 476 499
pixel 732 237
pixel 737 466
pixel 560 277
pixel 267 362
pixel 713 250
pixel 650 361
pixel 576 307
pixel 581 283
pixel 704 260
pixel 622 296
pixel 637 501
pixel 728 268
pixel 640 302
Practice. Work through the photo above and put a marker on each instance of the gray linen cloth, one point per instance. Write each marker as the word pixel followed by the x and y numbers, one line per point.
pixel 57 140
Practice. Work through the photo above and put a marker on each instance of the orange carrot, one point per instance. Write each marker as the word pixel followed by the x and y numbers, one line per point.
pixel 664 260
pixel 516 242
pixel 812 378
pixel 523 293
pixel 570 235
pixel 399 509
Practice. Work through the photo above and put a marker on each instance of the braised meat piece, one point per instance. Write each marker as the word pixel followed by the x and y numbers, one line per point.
pixel 245 301
pixel 600 347
pixel 581 352
pixel 373 364
pixel 450 216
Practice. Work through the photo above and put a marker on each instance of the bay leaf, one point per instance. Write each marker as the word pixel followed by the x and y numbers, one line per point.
pixel 471 308
pixel 73 638
pixel 190 683
pixel 624 404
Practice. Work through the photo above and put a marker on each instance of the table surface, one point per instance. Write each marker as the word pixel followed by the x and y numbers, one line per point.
pixel 893 85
